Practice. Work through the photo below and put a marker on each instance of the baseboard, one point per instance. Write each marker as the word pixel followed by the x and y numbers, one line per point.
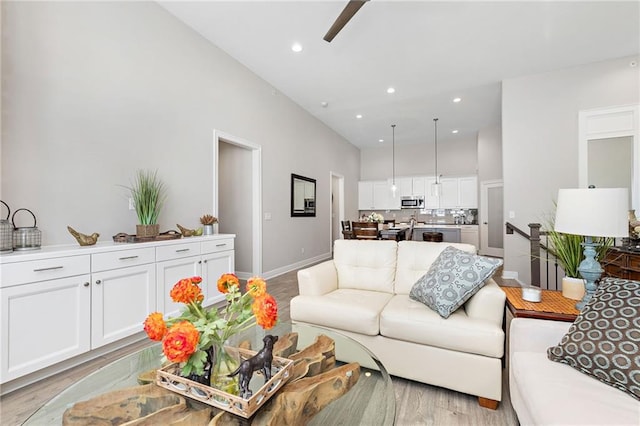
pixel 512 275
pixel 292 267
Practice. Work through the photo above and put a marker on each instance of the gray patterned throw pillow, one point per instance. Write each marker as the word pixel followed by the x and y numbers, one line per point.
pixel 453 278
pixel 604 340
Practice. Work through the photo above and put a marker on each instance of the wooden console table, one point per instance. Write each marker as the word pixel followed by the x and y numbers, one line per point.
pixel 621 263
pixel 553 305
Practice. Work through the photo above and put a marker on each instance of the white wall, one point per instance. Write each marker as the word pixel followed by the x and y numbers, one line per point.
pixel 489 154
pixel 540 139
pixel 455 157
pixel 93 91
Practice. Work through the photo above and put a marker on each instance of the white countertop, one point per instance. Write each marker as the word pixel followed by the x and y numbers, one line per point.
pixel 48 252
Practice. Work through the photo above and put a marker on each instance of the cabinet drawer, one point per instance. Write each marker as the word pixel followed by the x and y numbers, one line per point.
pixel 634 262
pixel 217 245
pixel 122 259
pixel 46 269
pixel 177 251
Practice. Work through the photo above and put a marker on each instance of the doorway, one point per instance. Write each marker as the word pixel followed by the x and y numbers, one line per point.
pixel 337 207
pixel 237 198
pixel 491 218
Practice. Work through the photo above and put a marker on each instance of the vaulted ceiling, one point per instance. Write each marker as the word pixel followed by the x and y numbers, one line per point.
pixel 429 52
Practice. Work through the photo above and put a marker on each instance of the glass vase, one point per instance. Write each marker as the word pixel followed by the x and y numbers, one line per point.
pixel 226 361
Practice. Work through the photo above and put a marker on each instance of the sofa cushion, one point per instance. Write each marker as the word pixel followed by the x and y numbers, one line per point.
pixel 344 309
pixel 604 340
pixel 416 257
pixel 411 321
pixel 366 265
pixel 453 278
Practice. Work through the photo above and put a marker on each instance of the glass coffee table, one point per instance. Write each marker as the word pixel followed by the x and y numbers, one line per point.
pixel 371 401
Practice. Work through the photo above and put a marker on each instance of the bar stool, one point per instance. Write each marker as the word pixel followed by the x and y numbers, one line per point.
pixel 435 237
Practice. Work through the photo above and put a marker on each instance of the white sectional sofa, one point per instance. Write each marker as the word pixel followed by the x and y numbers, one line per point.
pixel 363 293
pixel 549 393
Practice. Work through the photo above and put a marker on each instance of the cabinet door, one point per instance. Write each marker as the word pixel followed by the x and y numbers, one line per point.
pixel 418 186
pixel 405 186
pixel 468 192
pixel 469 235
pixel 449 193
pixel 213 266
pixel 365 195
pixel 44 323
pixel 381 195
pixel 431 201
pixel 121 300
pixel 168 273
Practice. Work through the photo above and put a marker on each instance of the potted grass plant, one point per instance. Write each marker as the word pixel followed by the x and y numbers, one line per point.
pixel 149 194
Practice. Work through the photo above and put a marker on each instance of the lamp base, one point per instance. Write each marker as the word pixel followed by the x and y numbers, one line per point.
pixel 590 270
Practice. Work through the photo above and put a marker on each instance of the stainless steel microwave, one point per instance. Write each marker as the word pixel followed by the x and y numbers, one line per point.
pixel 412 202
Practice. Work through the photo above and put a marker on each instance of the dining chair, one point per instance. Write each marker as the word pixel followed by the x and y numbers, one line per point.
pixel 347 230
pixel 365 230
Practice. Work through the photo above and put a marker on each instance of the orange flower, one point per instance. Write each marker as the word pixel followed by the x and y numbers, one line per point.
pixel 226 281
pixel 155 326
pixel 265 309
pixel 256 287
pixel 180 342
pixel 186 291
pixel 196 280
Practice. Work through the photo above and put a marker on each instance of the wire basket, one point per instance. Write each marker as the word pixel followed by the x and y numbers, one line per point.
pixel 6 232
pixel 26 237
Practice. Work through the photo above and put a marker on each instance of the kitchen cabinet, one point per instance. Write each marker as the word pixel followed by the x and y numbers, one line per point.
pixel 123 293
pixel 174 262
pixel 376 195
pixel 431 201
pixel 455 192
pixel 469 235
pixel 448 193
pixel 218 257
pixel 411 186
pixel 450 234
pixel 468 192
pixel 45 311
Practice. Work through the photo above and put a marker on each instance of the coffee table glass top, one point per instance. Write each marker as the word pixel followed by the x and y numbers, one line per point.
pixel 371 401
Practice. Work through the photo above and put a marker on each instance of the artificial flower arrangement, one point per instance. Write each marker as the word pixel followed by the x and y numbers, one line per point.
pixel 375 217
pixel 196 338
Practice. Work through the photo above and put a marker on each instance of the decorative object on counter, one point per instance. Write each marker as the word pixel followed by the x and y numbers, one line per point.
pixel 186 232
pixel 83 239
pixel 6 232
pixel 196 339
pixel 207 222
pixel 123 237
pixel 531 294
pixel 634 225
pixel 259 362
pixel 26 237
pixel 375 217
pixel 149 194
pixel 592 212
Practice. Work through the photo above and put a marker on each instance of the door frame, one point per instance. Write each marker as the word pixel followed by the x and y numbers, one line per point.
pixel 484 212
pixel 339 199
pixel 256 191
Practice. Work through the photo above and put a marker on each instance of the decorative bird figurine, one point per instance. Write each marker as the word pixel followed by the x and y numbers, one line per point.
pixel 185 231
pixel 84 240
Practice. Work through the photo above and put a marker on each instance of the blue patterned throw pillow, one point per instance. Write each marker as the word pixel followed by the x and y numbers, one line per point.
pixel 453 278
pixel 604 340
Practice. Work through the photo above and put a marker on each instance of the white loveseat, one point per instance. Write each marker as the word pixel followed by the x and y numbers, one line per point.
pixel 544 392
pixel 363 293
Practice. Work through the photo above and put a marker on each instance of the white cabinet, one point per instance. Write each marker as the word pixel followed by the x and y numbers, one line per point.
pixel 47 319
pixel 448 193
pixel 469 235
pixel 468 192
pixel 411 186
pixel 123 293
pixel 455 192
pixel 431 200
pixel 418 186
pixel 377 195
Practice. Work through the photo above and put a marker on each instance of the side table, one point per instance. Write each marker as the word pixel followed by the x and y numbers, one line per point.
pixel 553 306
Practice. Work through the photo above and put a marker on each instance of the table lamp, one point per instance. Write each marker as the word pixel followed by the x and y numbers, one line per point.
pixel 592 212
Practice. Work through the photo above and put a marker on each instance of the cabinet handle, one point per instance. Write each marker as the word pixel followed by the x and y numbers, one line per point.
pixel 221 245
pixel 53 268
pixel 86 284
pixel 98 281
pixel 128 257
pixel 199 262
pixel 205 261
pixel 182 250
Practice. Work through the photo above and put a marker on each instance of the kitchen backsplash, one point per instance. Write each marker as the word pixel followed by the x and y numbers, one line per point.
pixel 448 216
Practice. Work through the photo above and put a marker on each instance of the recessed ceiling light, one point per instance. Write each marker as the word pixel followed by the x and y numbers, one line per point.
pixel 456 100
pixel 380 140
pixel 324 104
pixel 454 131
pixel 296 47
pixel 359 116
pixel 391 90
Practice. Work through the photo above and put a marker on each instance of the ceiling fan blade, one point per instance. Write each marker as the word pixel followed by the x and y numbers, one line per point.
pixel 347 13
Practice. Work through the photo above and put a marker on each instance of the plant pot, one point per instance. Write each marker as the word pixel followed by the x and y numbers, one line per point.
pixel 207 230
pixel 573 288
pixel 147 230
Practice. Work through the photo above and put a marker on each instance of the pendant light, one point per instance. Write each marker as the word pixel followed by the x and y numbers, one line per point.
pixel 435 187
pixel 394 188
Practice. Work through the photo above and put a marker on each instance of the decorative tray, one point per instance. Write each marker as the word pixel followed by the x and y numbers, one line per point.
pixel 168 377
pixel 123 237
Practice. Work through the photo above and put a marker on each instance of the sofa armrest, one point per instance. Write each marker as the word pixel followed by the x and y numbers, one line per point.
pixel 487 304
pixel 535 335
pixel 318 280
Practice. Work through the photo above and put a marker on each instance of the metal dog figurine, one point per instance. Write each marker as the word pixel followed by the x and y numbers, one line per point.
pixel 260 361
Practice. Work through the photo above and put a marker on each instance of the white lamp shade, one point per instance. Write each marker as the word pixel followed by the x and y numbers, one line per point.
pixel 594 212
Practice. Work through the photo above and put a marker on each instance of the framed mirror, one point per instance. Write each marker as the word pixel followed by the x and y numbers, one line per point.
pixel 303 196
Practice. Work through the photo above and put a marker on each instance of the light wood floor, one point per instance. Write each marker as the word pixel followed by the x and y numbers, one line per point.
pixel 416 403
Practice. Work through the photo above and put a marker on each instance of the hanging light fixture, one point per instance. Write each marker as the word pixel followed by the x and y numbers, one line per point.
pixel 435 187
pixel 394 188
